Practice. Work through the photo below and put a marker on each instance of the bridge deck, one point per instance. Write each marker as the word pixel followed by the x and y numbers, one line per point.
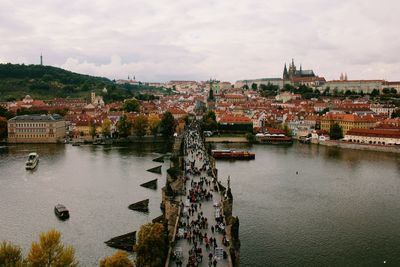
pixel 195 158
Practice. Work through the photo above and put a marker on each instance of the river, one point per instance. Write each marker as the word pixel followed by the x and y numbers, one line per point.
pixel 342 208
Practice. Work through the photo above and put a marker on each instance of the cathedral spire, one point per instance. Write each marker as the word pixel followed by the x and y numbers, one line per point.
pixel 285 73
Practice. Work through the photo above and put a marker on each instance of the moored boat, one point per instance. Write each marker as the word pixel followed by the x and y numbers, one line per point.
pixel 61 212
pixel 232 154
pixel 33 160
pixel 273 139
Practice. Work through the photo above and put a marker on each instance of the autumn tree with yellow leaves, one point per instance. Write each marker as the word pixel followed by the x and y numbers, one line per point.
pixel 48 252
pixel 152 245
pixel 139 125
pixel 154 122
pixel 118 259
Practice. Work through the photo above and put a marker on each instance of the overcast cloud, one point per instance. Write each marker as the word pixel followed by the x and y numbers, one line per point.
pixel 187 39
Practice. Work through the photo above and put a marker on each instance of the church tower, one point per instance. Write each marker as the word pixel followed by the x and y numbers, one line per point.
pixel 292 69
pixel 41 59
pixel 285 73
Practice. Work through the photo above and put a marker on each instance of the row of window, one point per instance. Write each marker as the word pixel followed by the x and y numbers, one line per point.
pixel 18 124
pixel 36 130
pixel 33 135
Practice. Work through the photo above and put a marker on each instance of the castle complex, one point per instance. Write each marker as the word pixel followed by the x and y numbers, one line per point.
pixel 294 73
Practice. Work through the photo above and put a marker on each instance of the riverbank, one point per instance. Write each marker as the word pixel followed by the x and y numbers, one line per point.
pixel 226 139
pixel 380 148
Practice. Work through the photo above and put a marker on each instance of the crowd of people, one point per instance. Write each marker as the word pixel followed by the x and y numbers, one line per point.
pixel 198 225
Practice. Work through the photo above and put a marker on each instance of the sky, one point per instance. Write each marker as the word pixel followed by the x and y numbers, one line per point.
pixel 158 41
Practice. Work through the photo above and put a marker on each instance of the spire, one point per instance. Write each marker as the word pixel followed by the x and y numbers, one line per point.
pixel 41 59
pixel 285 73
pixel 345 76
pixel 341 76
pixel 301 69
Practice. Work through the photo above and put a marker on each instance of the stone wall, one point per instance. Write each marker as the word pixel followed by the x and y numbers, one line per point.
pixel 381 148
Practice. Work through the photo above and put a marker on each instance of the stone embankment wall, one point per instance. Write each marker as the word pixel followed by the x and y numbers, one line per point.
pixel 381 148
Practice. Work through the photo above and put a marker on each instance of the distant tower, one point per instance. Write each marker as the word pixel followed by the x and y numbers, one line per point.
pixel 285 73
pixel 345 76
pixel 92 97
pixel 41 59
pixel 292 69
pixel 301 69
pixel 341 76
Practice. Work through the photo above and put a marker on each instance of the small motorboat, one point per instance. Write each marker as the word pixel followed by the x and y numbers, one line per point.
pixel 61 212
pixel 32 162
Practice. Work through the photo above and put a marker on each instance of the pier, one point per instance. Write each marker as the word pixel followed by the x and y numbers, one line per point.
pixel 197 208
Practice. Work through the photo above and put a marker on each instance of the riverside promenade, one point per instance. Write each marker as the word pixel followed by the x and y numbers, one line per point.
pixel 202 238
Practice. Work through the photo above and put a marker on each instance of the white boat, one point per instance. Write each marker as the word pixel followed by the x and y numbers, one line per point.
pixel 32 162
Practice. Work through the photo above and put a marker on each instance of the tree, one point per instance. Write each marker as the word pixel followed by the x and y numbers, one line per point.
pixel 118 259
pixel 3 127
pixel 10 255
pixel 288 87
pixel 396 114
pixel 246 87
pixel 268 89
pixel 322 112
pixel 92 128
pixel 287 130
pixel 336 132
pixel 152 245
pixel 253 86
pixel 211 94
pixel 326 92
pixel 154 122
pixel 124 126
pixel 139 125
pixel 131 105
pixel 209 122
pixel 374 93
pixel 50 252
pixel 167 124
pixel 106 127
pixel 5 113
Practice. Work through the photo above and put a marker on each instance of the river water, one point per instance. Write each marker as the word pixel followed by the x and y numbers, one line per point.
pixel 341 209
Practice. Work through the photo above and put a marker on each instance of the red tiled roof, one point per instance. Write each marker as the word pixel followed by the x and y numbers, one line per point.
pixel 374 133
pixel 349 118
pixel 234 119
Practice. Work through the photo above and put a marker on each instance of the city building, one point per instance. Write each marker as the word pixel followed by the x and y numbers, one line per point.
pixel 373 136
pixel 36 129
pixel 347 121
pixel 274 81
pixel 358 86
pixel 96 100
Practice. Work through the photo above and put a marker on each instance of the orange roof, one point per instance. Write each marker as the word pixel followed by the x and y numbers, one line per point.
pixel 234 119
pixel 349 118
pixel 375 132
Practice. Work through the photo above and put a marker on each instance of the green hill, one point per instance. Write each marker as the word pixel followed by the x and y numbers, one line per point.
pixel 47 82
